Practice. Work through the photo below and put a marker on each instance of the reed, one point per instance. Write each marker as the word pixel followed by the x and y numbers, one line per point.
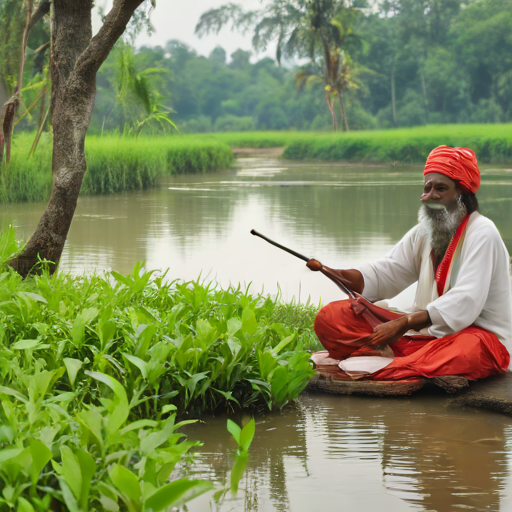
pixel 114 164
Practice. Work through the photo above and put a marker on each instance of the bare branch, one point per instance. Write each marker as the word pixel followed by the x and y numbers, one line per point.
pixel 102 43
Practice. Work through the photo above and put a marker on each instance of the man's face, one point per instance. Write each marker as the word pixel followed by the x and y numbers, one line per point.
pixel 440 192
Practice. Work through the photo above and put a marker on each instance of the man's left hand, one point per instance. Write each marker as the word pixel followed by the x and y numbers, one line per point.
pixel 390 332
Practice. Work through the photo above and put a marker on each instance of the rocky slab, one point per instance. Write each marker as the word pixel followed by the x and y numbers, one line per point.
pixel 493 393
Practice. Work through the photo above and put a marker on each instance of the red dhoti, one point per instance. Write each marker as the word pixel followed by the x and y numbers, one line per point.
pixel 473 353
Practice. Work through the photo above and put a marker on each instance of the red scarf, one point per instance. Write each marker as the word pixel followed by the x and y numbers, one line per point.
pixel 444 266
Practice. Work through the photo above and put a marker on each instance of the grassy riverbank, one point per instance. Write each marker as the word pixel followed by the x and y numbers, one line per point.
pixel 491 142
pixel 93 371
pixel 114 164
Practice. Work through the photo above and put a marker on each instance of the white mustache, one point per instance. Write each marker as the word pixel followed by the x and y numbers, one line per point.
pixel 434 206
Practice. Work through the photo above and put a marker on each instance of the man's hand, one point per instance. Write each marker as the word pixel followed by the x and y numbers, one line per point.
pixel 352 278
pixel 314 265
pixel 390 332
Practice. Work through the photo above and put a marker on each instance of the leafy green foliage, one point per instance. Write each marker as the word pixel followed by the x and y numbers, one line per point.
pixel 94 370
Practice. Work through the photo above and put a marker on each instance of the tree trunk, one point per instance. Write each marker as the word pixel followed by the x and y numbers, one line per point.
pixel 425 98
pixel 343 114
pixel 393 93
pixel 332 111
pixel 74 62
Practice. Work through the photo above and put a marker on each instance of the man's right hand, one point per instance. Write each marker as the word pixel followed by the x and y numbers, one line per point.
pixel 352 278
pixel 314 265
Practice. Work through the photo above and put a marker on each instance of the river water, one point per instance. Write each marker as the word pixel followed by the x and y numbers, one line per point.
pixel 337 453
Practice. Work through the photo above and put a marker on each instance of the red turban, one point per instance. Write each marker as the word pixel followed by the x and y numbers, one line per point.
pixel 459 164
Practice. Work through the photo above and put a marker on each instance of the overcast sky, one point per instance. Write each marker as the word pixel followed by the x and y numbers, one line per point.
pixel 176 19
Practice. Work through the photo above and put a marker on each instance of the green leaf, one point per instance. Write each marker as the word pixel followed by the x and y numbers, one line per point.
pixel 283 344
pixel 176 494
pixel 9 453
pixel 139 363
pixel 234 325
pixel 71 471
pixel 203 328
pixel 120 410
pixel 83 318
pixel 88 468
pixel 108 504
pixel 155 439
pixel 137 425
pixel 234 347
pixel 72 367
pixel 238 471
pixel 33 296
pixel 169 408
pixel 26 344
pixel 126 482
pixel 69 498
pixel 247 435
pixel 249 323
pixel 24 505
pixel 41 455
pixel 235 431
pixel 14 393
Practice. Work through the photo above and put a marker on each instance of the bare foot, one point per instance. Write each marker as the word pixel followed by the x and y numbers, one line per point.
pixel 386 351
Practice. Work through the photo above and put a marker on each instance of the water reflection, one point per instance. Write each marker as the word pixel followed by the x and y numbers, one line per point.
pixel 342 453
pixel 342 214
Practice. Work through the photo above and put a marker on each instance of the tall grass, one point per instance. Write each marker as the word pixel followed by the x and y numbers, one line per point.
pixel 491 142
pixel 114 164
pixel 94 370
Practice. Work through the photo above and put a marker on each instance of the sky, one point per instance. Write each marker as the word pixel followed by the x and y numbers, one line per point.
pixel 176 19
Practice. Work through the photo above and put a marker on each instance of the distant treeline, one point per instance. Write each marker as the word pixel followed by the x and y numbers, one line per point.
pixel 427 61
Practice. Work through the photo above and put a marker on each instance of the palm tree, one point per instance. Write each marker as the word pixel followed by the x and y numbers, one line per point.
pixel 134 87
pixel 343 75
pixel 321 30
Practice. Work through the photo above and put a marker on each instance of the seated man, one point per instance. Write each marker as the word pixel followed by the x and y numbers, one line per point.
pixel 461 320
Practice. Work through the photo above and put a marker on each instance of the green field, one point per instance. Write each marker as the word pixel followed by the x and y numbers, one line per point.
pixel 123 164
pixel 114 164
pixel 491 142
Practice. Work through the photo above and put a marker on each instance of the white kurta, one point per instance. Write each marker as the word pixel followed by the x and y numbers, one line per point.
pixel 479 284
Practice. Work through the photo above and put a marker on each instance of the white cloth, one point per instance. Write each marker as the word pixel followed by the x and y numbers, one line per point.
pixel 478 291
pixel 364 365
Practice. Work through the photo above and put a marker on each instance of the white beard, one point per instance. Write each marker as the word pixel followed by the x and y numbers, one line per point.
pixel 441 225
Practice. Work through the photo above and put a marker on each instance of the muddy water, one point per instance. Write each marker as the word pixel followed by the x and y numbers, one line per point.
pixel 341 214
pixel 333 453
pixel 365 454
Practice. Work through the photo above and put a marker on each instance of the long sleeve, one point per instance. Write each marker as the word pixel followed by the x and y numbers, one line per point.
pixel 463 304
pixel 388 276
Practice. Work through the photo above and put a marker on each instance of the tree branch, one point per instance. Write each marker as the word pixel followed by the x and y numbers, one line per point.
pixel 41 11
pixel 102 43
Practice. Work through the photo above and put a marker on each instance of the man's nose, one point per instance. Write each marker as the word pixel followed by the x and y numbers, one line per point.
pixel 431 195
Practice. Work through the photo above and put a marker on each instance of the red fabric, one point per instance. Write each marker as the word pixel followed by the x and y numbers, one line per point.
pixel 459 164
pixel 473 353
pixel 444 267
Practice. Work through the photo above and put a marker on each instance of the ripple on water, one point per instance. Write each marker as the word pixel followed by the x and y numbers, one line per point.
pixel 365 454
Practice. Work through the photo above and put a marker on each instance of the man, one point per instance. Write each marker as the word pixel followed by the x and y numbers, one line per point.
pixel 461 320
